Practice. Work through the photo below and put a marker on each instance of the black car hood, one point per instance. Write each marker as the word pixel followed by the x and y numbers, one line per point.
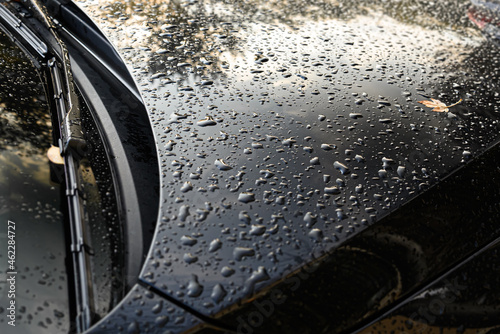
pixel 284 129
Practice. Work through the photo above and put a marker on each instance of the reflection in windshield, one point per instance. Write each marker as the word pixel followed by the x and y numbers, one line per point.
pixel 30 200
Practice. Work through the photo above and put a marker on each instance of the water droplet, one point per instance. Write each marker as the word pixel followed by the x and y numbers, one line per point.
pixel 267 173
pixel 328 147
pixel 316 234
pixel 190 258
pixel 187 187
pixel 161 321
pixel 259 275
pixel 308 149
pixel 257 230
pixel 359 158
pixel 226 271
pixel 401 171
pixel 169 146
pixel 243 216
pixel 382 173
pixel 340 182
pixel 257 145
pixel 133 328
pixel 341 167
pixel 187 240
pixel 310 219
pixel 194 288
pixel 218 293
pixel 219 163
pixel 215 245
pixel 340 214
pixel 314 161
pixel 240 252
pixel 183 212
pixel 387 162
pixel 158 75
pixel 58 314
pixel 246 197
pixel 289 142
pixel 207 121
pixel 158 307
pixel 332 190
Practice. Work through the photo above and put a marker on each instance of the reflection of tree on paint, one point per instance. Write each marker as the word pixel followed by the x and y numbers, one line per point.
pixel 24 116
pixel 177 45
pixel 423 13
pixel 189 36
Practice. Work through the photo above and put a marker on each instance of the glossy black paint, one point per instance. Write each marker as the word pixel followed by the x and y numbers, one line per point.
pixel 283 135
pixel 392 262
pixel 463 300
pixel 143 311
pixel 302 186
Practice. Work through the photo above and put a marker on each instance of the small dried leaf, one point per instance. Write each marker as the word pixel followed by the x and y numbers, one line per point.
pixel 55 156
pixel 438 105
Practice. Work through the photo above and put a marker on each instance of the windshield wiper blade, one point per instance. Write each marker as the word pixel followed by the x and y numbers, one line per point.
pixel 17 27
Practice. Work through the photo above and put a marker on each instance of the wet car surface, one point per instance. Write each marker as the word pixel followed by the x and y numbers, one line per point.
pixel 305 122
pixel 291 139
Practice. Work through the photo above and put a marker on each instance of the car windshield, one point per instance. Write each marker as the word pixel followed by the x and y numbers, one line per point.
pixel 31 215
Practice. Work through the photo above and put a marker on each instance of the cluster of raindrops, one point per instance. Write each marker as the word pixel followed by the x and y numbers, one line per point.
pixel 278 141
pixel 144 311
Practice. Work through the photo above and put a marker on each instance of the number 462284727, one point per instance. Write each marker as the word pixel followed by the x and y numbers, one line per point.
pixel 11 248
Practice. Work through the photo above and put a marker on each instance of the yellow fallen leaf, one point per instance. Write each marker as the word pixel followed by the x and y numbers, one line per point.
pixel 438 105
pixel 55 156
